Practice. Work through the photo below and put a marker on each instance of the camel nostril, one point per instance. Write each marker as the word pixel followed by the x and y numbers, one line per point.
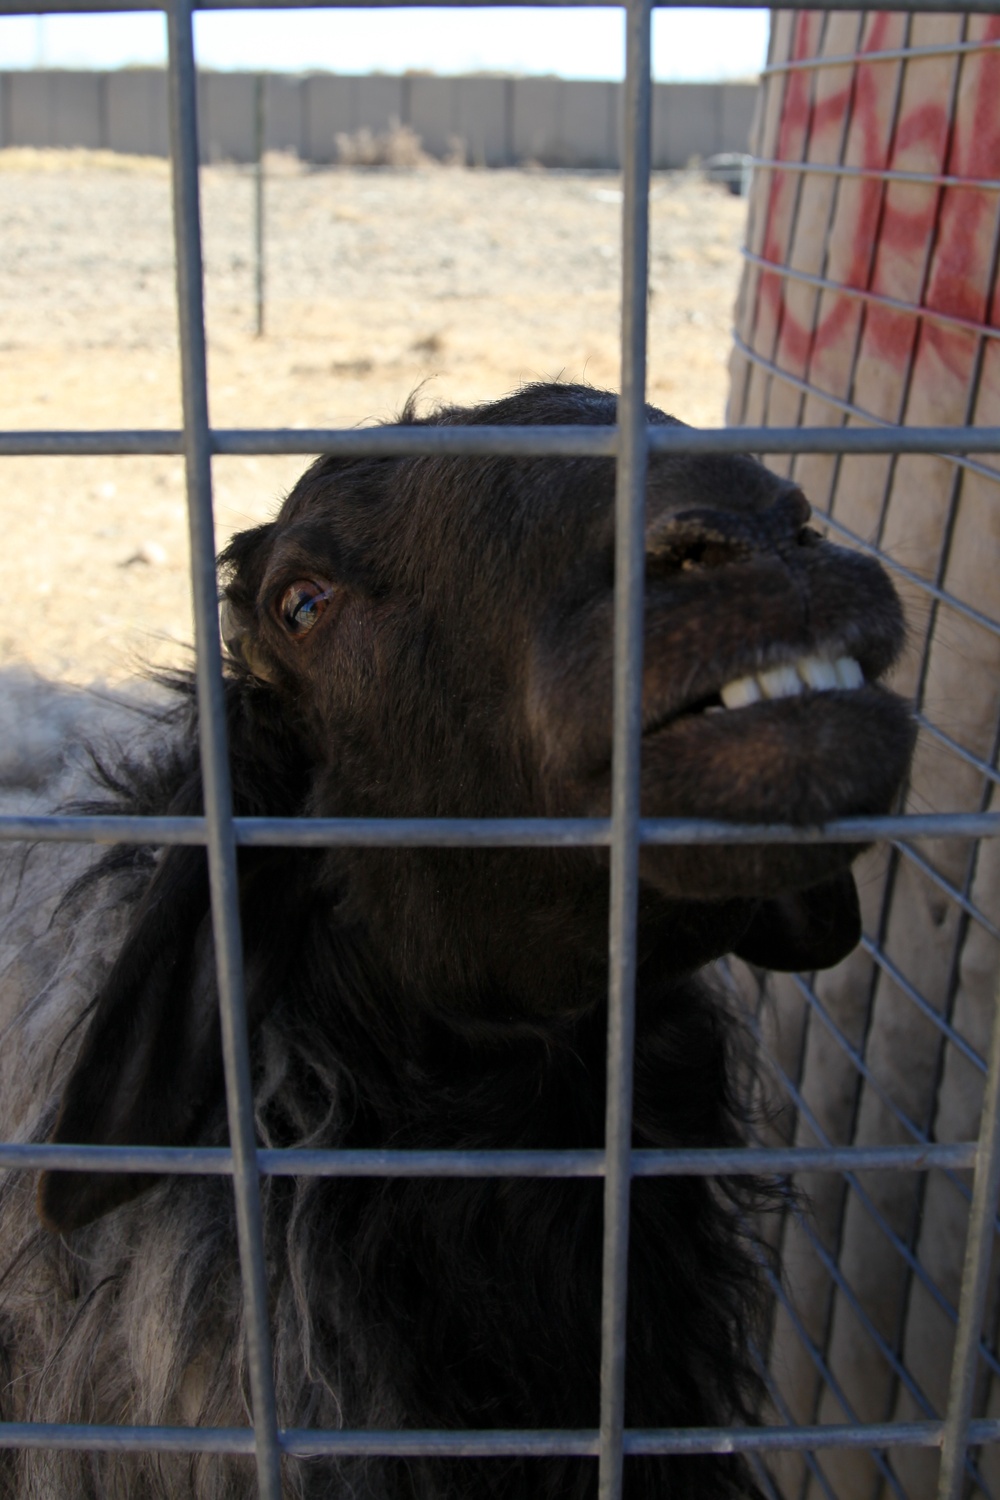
pixel 809 537
pixel 711 554
pixel 694 541
pixel 713 537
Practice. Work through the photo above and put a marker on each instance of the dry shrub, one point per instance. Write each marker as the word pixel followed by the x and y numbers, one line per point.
pixel 399 146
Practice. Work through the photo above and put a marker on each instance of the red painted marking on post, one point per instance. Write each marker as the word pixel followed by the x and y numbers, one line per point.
pixel 957 276
pixel 958 282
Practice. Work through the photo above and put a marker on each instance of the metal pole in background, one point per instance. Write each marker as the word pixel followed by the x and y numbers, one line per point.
pixel 220 839
pixel 630 567
pixel 258 221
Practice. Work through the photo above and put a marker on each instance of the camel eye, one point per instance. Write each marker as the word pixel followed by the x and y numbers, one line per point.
pixel 302 604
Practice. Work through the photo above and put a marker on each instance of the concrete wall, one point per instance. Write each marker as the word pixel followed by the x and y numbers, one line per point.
pixel 502 121
pixel 136 113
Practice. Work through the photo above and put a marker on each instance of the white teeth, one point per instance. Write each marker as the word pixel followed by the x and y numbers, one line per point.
pixel 740 693
pixel 780 682
pixel 817 673
pixel 849 674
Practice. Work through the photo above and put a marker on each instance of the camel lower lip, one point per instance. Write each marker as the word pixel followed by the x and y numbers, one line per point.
pixel 736 721
pixel 823 750
pixel 819 738
pixel 802 760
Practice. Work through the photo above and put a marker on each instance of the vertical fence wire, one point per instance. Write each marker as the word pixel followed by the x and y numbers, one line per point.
pixel 630 555
pixel 258 199
pixel 221 844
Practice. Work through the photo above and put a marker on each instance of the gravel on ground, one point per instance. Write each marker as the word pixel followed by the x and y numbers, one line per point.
pixel 463 283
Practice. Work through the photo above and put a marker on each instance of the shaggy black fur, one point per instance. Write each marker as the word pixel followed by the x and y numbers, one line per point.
pixel 456 999
pixel 479 1300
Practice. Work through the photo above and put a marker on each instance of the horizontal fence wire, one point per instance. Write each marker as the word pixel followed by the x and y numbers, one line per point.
pixel 743 1161
pixel 393 441
pixel 487 833
pixel 491 1443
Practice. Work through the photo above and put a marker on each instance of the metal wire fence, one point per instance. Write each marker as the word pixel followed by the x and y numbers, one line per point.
pixel 954 1430
pixel 836 143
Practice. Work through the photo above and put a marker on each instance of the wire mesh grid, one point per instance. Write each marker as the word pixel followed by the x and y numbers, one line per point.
pixel 805 1142
pixel 829 157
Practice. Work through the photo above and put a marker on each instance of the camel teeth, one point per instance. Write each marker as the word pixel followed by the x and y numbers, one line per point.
pixel 780 682
pixel 817 674
pixel 741 693
pixel 849 674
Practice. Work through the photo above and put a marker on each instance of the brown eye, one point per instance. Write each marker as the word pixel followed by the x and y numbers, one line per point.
pixel 302 604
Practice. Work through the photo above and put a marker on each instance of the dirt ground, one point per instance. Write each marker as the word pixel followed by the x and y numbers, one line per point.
pixel 377 280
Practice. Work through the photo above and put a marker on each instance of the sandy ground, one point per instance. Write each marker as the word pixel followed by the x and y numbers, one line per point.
pixel 377 280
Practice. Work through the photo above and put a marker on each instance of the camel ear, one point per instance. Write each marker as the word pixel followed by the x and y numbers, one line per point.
pixel 804 930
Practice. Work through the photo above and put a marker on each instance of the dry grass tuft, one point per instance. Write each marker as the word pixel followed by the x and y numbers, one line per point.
pixel 77 160
pixel 399 146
